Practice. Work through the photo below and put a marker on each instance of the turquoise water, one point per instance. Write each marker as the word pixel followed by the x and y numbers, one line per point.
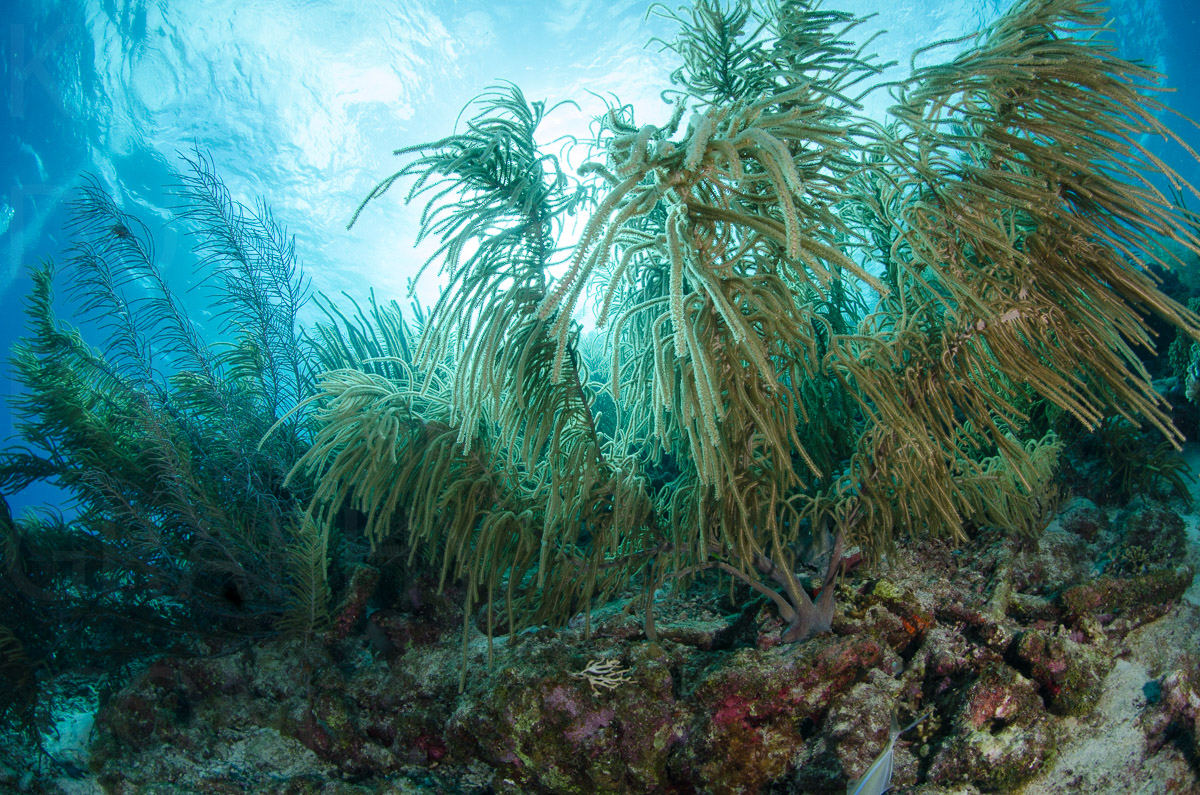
pixel 302 103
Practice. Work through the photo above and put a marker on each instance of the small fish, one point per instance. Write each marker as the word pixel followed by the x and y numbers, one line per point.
pixel 878 778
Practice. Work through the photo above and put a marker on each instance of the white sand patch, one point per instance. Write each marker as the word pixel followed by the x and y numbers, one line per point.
pixel 1115 749
pixel 1108 752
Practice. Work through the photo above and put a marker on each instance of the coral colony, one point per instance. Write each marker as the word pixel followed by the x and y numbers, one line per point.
pixel 472 548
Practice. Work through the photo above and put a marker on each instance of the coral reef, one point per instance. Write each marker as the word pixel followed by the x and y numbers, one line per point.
pixel 802 482
pixel 1003 691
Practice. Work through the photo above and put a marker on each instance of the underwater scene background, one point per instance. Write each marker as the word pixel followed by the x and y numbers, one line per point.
pixel 600 397
pixel 303 103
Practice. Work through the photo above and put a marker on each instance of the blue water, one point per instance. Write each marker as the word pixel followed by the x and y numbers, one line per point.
pixel 302 103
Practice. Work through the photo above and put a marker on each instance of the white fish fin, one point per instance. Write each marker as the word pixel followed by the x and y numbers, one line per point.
pixel 878 778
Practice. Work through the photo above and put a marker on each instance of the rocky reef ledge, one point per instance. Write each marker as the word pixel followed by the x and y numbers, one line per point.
pixel 1067 663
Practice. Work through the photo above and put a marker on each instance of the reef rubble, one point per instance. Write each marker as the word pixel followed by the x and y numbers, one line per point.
pixel 1059 664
